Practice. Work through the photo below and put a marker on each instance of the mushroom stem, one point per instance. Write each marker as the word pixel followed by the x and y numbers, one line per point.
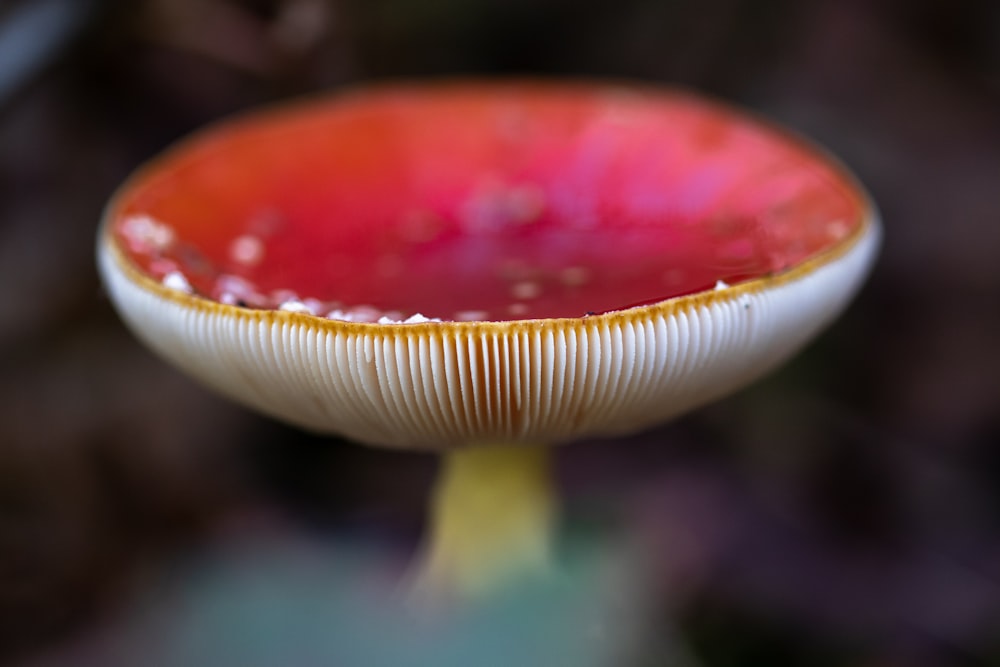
pixel 492 517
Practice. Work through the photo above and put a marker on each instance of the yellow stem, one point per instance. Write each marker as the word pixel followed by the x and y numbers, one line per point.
pixel 493 514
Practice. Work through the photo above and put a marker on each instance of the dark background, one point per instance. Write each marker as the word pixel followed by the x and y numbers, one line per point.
pixel 846 511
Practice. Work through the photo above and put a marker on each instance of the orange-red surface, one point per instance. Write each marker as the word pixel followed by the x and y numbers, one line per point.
pixel 489 201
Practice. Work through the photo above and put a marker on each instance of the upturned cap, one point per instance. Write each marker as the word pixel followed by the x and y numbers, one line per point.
pixel 430 266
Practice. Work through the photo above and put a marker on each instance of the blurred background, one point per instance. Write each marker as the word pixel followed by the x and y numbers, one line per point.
pixel 845 511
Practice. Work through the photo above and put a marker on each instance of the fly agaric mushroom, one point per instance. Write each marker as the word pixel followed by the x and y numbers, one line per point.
pixel 483 270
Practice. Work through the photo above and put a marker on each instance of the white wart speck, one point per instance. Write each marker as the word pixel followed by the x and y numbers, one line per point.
pixel 147 235
pixel 175 280
pixel 294 306
pixel 246 250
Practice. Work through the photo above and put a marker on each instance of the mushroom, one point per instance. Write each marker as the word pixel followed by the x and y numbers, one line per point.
pixel 484 270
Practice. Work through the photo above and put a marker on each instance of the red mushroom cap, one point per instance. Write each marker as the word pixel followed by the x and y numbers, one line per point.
pixel 433 265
